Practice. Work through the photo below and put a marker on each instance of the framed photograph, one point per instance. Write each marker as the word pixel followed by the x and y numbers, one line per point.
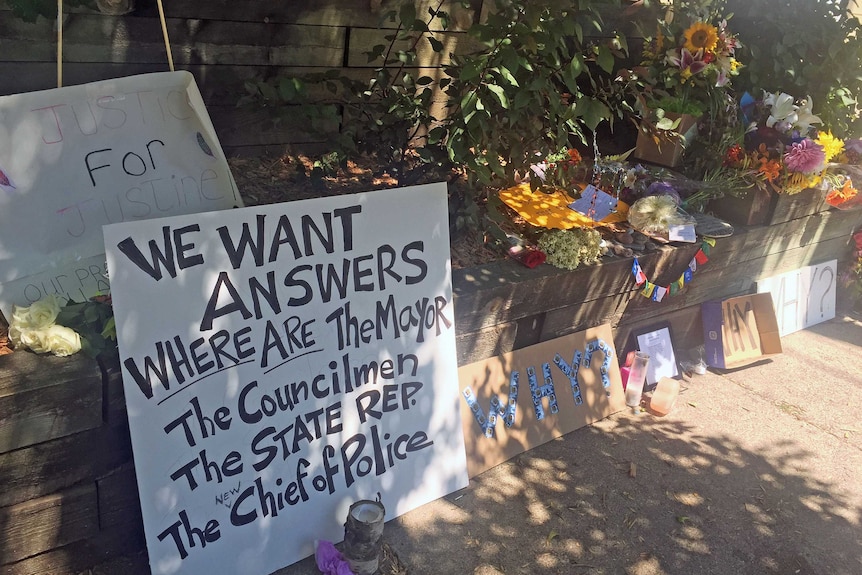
pixel 657 342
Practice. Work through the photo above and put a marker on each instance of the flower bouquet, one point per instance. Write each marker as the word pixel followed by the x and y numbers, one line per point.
pixel 841 174
pixel 783 151
pixel 688 62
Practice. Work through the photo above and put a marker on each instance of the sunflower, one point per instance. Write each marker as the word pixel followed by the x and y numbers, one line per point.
pixel 701 36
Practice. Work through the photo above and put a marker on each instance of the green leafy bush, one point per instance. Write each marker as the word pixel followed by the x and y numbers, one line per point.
pixel 805 47
pixel 531 89
pixel 523 94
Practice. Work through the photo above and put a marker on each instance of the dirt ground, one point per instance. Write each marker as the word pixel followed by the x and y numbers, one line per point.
pixel 269 180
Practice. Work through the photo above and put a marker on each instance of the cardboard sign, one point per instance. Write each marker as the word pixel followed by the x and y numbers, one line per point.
pixel 803 297
pixel 739 330
pixel 280 363
pixel 73 159
pixel 524 398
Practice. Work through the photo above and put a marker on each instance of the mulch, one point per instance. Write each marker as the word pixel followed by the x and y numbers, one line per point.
pixel 270 180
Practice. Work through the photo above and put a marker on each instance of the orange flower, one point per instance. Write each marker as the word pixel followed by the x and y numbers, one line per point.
pixel 838 196
pixel 770 169
pixel 574 156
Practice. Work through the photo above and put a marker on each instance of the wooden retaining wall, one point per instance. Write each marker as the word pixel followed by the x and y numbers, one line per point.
pixel 69 497
pixel 503 306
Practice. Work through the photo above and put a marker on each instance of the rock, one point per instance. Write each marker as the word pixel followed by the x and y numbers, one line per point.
pixel 623 237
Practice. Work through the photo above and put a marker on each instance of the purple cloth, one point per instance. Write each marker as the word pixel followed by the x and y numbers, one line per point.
pixel 329 560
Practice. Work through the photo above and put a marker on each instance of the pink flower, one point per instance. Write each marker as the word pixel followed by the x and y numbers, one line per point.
pixel 805 156
pixel 686 61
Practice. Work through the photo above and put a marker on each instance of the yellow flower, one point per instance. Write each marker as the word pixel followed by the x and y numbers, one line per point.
pixel 832 146
pixel 735 64
pixel 701 36
pixel 797 181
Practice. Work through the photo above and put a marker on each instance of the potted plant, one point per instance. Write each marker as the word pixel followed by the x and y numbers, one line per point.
pixel 688 61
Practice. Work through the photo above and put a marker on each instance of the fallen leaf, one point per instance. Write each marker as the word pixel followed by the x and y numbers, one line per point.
pixel 681 519
pixel 633 469
pixel 693 404
pixel 551 536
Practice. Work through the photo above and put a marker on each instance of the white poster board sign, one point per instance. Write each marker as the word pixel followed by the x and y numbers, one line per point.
pixel 76 158
pixel 803 297
pixel 662 359
pixel 280 363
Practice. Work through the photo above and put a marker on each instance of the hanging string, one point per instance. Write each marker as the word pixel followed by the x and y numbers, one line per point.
pixel 656 292
pixel 165 34
pixel 59 43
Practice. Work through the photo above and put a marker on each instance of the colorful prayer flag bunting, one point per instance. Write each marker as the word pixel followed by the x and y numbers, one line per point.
pixel 657 292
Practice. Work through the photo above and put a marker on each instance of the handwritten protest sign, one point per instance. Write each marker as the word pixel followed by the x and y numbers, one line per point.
pixel 75 158
pixel 802 297
pixel 281 362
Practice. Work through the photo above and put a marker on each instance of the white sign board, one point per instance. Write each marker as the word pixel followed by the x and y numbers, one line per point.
pixel 75 158
pixel 662 359
pixel 803 297
pixel 281 362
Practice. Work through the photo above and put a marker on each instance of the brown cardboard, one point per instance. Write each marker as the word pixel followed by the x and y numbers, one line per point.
pixel 669 149
pixel 492 376
pixel 740 330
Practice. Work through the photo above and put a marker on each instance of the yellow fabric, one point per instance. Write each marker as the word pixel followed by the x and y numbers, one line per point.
pixel 552 210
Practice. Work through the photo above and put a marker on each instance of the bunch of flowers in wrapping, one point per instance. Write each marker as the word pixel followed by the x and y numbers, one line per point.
pixel 840 175
pixel 688 58
pixel 34 328
pixel 784 148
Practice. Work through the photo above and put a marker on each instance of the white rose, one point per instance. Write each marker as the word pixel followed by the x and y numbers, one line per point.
pixel 15 335
pixel 21 317
pixel 61 340
pixel 34 339
pixel 44 312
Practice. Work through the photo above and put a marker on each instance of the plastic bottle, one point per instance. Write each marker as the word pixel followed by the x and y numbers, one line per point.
pixel 637 376
pixel 664 397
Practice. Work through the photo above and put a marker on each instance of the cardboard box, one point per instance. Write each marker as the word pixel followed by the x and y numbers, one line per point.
pixel 740 330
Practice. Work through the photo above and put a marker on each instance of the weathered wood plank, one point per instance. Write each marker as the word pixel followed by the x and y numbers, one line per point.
pixel 219 85
pixel 119 503
pixel 790 207
pixel 686 326
pixel 499 339
pixel 46 397
pixel 54 465
pixel 242 127
pixel 503 291
pixel 27 371
pixel 312 12
pixel 364 39
pixel 80 556
pixel 30 528
pixel 97 38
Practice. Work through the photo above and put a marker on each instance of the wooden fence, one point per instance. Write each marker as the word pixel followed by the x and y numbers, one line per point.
pixel 224 44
